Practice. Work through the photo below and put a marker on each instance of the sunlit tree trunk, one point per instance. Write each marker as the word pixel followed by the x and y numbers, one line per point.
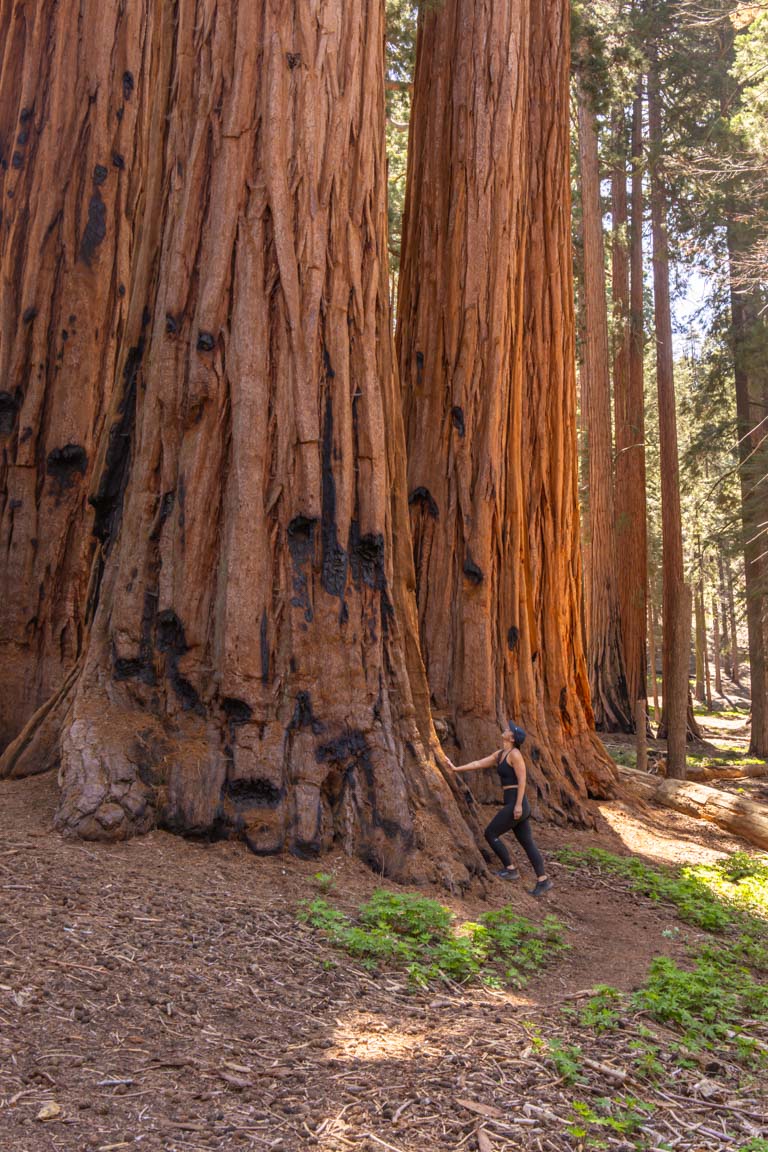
pixel 605 658
pixel 491 463
pixel 253 660
pixel 676 594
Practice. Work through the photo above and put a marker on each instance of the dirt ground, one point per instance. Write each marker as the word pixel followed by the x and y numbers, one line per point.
pixel 161 995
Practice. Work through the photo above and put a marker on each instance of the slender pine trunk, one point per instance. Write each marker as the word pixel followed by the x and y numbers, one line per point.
pixel 676 595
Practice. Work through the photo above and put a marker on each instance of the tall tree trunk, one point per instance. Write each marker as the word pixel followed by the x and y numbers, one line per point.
pixel 652 659
pixel 735 658
pixel 676 596
pixel 631 531
pixel 749 327
pixel 80 144
pixel 482 462
pixel 253 661
pixel 605 657
pixel 707 673
pixel 726 642
pixel 716 645
pixel 700 692
pixel 560 680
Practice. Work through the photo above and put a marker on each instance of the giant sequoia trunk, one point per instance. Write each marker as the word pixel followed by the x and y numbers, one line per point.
pixel 485 343
pixel 605 656
pixel 631 531
pixel 75 139
pixel 252 662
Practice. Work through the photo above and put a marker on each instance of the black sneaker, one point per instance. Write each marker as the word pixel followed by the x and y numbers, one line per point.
pixel 542 886
pixel 508 874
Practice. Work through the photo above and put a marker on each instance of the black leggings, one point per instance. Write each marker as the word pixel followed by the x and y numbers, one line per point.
pixel 504 821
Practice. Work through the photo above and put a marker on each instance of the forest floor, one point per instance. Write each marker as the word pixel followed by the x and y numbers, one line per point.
pixel 162 995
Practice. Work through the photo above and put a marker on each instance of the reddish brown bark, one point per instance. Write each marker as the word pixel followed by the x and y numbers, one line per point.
pixel 253 661
pixel 560 680
pixel 629 406
pixel 74 139
pixel 605 657
pixel 484 292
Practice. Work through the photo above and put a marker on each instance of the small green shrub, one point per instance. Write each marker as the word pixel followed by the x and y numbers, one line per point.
pixel 646 1062
pixel 420 935
pixel 601 1011
pixel 566 1059
pixel 705 1004
pixel 623 1115
pixel 324 882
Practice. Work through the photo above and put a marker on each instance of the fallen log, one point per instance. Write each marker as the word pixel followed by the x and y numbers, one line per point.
pixel 698 773
pixel 744 818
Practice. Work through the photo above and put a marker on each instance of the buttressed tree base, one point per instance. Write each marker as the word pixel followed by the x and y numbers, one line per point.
pixel 486 352
pixel 210 619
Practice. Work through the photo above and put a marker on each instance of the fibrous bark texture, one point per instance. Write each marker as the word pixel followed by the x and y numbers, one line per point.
pixel 629 471
pixel 74 137
pixel 605 656
pixel 253 661
pixel 485 345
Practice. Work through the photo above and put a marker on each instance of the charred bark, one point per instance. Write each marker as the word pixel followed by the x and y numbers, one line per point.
pixel 74 116
pixel 253 663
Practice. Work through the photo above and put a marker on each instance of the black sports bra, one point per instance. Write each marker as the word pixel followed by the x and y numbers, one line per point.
pixel 507 773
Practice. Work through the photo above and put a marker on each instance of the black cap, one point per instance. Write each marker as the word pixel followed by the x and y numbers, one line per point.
pixel 517 732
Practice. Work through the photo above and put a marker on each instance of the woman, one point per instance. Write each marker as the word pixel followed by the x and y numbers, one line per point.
pixel 516 813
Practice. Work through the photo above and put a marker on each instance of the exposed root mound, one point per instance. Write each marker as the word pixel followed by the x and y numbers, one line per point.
pixel 124 772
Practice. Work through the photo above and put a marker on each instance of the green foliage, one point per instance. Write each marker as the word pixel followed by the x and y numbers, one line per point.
pixel 647 1064
pixel 751 52
pixel 707 1002
pixel 623 1115
pixel 324 882
pixel 420 935
pixel 566 1059
pixel 401 17
pixel 757 1144
pixel 601 1011
pixel 691 896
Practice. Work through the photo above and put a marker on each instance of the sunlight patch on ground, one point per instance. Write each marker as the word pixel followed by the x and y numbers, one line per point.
pixel 363 1037
pixel 665 848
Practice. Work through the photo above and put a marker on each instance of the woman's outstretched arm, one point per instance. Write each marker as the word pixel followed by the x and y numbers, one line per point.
pixel 487 762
